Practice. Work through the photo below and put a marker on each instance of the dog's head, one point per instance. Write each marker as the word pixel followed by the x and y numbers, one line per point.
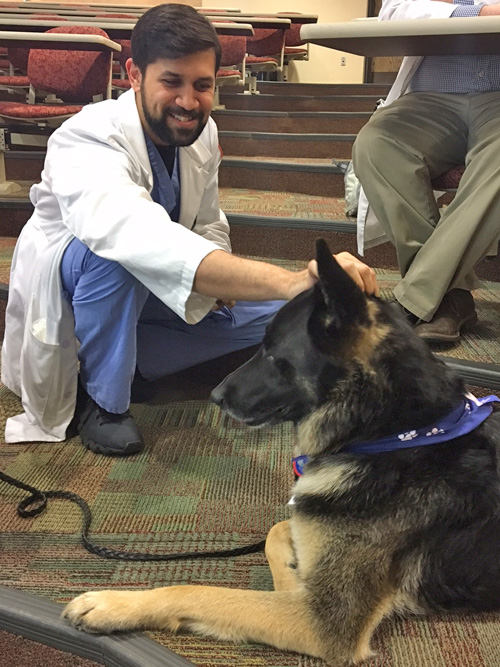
pixel 342 365
pixel 309 348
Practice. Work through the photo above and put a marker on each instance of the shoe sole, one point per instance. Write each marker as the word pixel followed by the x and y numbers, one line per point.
pixel 443 338
pixel 129 449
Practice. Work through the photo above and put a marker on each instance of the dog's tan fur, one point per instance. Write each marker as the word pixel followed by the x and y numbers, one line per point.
pixel 281 618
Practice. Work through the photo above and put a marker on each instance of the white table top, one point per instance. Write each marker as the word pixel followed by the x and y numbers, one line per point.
pixel 414 37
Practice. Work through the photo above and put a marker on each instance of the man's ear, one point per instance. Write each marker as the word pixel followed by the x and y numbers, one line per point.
pixel 134 75
pixel 344 300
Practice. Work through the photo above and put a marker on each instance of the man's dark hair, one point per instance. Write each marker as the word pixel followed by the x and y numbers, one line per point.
pixel 172 31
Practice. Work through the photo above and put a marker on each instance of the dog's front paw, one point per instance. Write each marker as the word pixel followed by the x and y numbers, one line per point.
pixel 103 612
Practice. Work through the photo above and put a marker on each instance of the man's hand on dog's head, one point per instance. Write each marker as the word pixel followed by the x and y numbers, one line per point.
pixel 227 277
pixel 362 274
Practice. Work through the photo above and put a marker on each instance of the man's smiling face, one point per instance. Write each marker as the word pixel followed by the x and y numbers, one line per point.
pixel 175 97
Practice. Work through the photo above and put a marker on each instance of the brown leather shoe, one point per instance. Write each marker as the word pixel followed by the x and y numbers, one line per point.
pixel 455 312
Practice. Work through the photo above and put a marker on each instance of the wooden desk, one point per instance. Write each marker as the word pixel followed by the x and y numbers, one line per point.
pixel 227 10
pixel 116 28
pixel 39 6
pixel 254 21
pixel 417 37
pixel 68 42
pixel 241 29
pixel 63 11
pixel 293 18
pixel 42 7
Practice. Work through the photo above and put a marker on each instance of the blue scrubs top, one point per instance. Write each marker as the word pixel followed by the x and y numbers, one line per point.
pixel 166 189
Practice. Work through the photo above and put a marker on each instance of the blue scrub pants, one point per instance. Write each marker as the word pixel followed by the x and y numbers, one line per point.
pixel 120 325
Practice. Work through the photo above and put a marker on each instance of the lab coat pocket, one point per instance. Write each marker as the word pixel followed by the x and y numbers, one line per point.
pixel 49 374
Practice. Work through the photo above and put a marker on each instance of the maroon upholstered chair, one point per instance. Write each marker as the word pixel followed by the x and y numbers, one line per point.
pixel 232 69
pixel 73 77
pixel 17 80
pixel 450 179
pixel 265 54
pixel 4 64
pixel 120 83
pixel 295 48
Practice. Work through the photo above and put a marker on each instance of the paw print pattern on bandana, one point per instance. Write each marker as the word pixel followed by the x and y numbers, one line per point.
pixel 435 431
pixel 407 436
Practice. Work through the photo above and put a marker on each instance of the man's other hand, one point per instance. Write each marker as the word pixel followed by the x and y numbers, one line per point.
pixel 362 274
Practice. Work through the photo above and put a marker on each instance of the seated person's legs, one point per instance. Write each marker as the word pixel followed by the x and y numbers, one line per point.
pixel 396 155
pixel 466 230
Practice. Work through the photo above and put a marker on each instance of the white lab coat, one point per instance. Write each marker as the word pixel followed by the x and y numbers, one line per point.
pixel 96 186
pixel 369 230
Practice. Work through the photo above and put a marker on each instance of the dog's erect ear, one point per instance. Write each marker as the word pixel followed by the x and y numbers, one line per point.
pixel 343 298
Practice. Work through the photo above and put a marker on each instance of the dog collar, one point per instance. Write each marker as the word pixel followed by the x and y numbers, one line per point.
pixel 463 419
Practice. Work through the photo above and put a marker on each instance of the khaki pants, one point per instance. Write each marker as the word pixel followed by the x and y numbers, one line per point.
pixel 395 156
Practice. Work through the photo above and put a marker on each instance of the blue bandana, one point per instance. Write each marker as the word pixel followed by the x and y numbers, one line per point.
pixel 465 418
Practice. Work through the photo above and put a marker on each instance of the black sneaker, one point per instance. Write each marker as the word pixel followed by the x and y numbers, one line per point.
pixel 107 433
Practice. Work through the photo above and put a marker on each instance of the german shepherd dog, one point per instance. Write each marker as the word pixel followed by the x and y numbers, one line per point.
pixel 409 530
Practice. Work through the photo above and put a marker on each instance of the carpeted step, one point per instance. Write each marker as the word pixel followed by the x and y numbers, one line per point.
pixel 24 165
pixel 294 121
pixel 274 144
pixel 298 209
pixel 287 102
pixel 312 176
pixel 15 211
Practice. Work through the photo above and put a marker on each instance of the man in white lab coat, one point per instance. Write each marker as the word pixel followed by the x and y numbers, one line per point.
pixel 450 115
pixel 125 266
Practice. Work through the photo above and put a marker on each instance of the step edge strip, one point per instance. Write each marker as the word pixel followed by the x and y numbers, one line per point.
pixel 39 619
pixel 292 114
pixel 269 165
pixel 480 374
pixel 292 223
pixel 285 136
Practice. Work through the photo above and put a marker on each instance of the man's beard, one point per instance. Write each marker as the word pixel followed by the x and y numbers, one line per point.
pixel 177 136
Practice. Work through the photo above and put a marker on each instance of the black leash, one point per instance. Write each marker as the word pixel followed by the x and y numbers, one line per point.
pixel 40 498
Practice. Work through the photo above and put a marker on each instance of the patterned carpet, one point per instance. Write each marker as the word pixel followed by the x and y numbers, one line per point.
pixel 204 482
pixel 281 204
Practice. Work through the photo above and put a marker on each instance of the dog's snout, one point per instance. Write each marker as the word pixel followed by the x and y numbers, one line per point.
pixel 217 396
